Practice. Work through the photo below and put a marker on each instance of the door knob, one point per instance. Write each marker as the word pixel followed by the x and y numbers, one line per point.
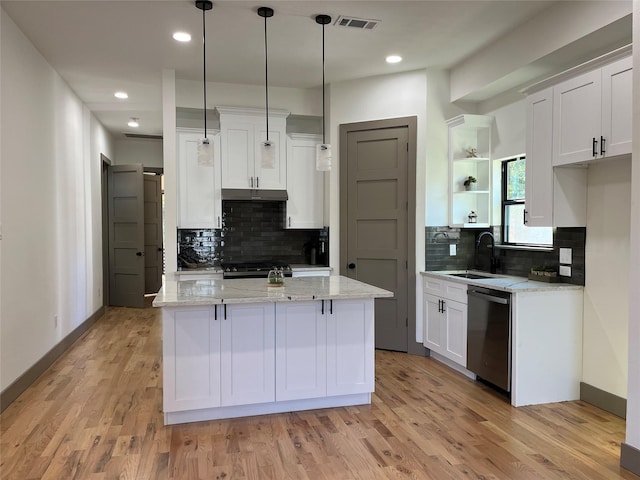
pixel 140 254
pixel 351 266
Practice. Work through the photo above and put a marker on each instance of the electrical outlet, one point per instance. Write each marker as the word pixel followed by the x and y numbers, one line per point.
pixel 565 271
pixel 565 256
pixel 452 250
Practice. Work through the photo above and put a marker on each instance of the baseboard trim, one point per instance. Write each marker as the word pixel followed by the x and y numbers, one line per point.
pixel 13 391
pixel 606 401
pixel 630 458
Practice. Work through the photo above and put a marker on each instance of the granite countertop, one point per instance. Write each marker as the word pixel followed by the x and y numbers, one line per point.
pixel 176 293
pixel 507 283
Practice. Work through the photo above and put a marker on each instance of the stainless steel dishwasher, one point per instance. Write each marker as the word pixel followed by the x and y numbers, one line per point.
pixel 489 335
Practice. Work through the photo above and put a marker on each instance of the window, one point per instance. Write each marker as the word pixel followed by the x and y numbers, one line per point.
pixel 514 231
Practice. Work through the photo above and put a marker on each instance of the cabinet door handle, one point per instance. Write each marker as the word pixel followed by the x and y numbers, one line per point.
pixel 322 309
pixel 215 312
pixel 439 306
pixel 594 149
pixel 251 181
pixel 289 222
pixel 257 182
pixel 444 306
pixel 225 311
pixel 331 307
pixel 524 217
pixel 602 150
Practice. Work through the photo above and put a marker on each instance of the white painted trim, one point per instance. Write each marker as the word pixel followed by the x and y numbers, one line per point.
pixel 171 418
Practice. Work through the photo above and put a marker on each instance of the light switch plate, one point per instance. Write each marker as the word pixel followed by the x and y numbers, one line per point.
pixel 565 271
pixel 565 256
pixel 452 250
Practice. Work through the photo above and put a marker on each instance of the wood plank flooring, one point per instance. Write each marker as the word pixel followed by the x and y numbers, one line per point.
pixel 97 414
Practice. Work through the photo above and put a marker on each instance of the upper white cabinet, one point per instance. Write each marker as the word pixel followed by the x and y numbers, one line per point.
pixel 305 185
pixel 199 201
pixel 592 114
pixel 554 197
pixel 469 156
pixel 538 208
pixel 242 130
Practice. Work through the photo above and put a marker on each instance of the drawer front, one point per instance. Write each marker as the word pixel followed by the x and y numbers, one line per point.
pixel 435 285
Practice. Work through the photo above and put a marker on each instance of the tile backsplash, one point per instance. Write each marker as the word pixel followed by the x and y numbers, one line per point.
pixel 511 261
pixel 251 231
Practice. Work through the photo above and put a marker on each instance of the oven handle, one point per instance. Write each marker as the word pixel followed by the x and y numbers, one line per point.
pixel 490 298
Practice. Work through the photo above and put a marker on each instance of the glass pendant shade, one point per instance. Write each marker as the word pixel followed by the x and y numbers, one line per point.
pixel 323 157
pixel 205 152
pixel 268 154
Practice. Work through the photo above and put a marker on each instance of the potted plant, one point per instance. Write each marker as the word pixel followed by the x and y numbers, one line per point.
pixel 470 183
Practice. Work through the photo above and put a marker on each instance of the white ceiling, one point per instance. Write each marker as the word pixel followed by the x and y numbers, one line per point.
pixel 99 47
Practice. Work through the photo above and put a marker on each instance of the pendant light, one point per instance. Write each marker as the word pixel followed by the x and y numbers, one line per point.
pixel 323 151
pixel 267 147
pixel 205 149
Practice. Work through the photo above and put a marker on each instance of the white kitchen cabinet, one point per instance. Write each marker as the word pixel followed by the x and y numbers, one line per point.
pixel 554 197
pixel 247 353
pixel 242 131
pixel 301 351
pixel 199 200
pixel 305 185
pixel 191 365
pixel 592 114
pixel 445 318
pixel 546 346
pixel 350 346
pixel 469 155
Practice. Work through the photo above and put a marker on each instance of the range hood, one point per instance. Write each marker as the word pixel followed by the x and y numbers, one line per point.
pixel 254 194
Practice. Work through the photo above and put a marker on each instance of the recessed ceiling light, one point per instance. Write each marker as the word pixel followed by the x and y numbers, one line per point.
pixel 121 95
pixel 394 59
pixel 182 37
pixel 133 122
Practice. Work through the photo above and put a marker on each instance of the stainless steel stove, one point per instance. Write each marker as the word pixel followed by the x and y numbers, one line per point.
pixel 253 269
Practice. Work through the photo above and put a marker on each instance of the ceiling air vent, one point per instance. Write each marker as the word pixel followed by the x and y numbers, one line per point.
pixel 141 135
pixel 359 23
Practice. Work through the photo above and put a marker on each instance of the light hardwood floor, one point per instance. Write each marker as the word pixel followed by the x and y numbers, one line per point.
pixel 97 414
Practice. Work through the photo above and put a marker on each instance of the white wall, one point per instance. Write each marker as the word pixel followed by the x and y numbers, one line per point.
pixel 51 242
pixel 633 389
pixel 606 293
pixel 148 152
pixel 298 101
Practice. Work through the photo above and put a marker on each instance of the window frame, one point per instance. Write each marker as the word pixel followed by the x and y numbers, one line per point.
pixel 505 202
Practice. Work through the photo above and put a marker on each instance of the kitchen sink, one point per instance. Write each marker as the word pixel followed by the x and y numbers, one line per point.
pixel 472 276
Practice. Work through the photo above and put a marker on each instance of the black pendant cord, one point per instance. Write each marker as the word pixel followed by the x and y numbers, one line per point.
pixel 323 89
pixel 266 77
pixel 204 71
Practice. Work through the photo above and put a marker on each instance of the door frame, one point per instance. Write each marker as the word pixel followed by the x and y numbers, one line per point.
pixel 105 164
pixel 411 123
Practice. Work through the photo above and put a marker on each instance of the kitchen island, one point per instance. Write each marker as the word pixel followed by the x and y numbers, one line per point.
pixel 239 347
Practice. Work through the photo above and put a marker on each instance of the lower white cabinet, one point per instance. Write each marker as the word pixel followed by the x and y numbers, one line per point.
pixel 191 352
pixel 234 356
pixel 247 360
pixel 445 319
pixel 301 350
pixel 350 346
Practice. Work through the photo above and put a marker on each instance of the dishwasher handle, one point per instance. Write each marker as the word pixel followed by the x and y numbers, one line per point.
pixel 490 298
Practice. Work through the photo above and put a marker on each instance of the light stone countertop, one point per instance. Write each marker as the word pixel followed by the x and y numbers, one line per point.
pixel 507 283
pixel 175 293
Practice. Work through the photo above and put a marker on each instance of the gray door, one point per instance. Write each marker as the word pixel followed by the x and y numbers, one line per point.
pixel 376 204
pixel 153 251
pixel 126 236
